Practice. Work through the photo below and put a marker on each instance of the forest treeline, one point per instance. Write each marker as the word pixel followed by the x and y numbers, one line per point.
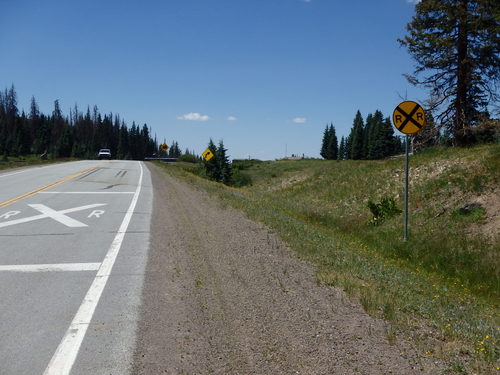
pixel 79 134
pixel 372 138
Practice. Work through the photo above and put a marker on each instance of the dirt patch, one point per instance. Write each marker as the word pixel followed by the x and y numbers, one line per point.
pixel 223 295
pixel 491 204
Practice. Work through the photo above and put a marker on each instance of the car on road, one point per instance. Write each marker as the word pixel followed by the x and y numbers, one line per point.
pixel 104 153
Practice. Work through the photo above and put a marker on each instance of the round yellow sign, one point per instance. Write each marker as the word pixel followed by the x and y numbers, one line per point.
pixel 408 117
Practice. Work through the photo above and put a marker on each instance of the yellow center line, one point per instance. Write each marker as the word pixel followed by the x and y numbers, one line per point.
pixel 65 179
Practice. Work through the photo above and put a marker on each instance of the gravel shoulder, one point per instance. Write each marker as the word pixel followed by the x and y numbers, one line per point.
pixel 223 295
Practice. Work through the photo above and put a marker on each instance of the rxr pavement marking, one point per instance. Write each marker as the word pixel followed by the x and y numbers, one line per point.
pixel 59 216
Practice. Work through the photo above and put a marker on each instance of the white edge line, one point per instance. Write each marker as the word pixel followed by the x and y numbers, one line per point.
pixel 86 192
pixel 63 359
pixel 11 174
pixel 30 167
pixel 50 267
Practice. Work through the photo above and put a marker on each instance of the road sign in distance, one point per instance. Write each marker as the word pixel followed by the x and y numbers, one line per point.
pixel 207 154
pixel 408 117
pixel 164 147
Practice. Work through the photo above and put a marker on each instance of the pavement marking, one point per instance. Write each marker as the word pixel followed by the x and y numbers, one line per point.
pixel 63 359
pixel 15 199
pixel 87 192
pixel 57 216
pixel 50 267
pixel 11 174
pixel 6 215
pixel 53 214
pixel 96 213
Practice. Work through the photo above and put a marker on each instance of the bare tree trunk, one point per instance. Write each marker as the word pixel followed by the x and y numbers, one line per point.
pixel 461 128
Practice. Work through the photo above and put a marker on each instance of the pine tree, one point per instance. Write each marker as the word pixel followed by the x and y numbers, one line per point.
pixel 123 147
pixel 375 147
pixel 218 168
pixel 62 136
pixel 324 144
pixel 356 138
pixel 341 155
pixel 211 166
pixel 368 135
pixel 223 164
pixel 457 42
pixel 332 148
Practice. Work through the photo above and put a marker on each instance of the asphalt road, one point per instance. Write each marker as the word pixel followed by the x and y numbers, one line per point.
pixel 73 249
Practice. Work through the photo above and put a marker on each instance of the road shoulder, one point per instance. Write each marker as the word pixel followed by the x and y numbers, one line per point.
pixel 223 295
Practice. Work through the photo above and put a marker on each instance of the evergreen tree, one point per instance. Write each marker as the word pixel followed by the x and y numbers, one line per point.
pixel 75 135
pixel 57 129
pixel 8 120
pixel 34 121
pixel 375 146
pixel 332 148
pixel 211 166
pixel 457 42
pixel 223 164
pixel 325 142
pixel 123 146
pixel 368 135
pixel 341 155
pixel 347 150
pixel 356 138
pixel 174 151
pixel 218 168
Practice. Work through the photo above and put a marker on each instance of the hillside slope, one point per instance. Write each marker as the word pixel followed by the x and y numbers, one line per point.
pixel 442 286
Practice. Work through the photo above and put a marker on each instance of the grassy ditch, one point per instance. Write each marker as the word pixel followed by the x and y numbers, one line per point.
pixel 23 161
pixel 441 287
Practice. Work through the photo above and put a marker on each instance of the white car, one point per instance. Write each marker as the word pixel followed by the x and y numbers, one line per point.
pixel 104 153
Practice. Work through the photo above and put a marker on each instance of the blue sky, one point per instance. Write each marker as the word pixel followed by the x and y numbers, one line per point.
pixel 266 76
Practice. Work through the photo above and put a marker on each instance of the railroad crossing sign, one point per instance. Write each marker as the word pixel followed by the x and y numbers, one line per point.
pixel 408 117
pixel 164 147
pixel 207 154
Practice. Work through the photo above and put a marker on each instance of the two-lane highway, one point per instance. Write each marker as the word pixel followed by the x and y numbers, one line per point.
pixel 73 247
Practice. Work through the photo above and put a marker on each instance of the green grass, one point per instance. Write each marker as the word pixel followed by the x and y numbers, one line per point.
pixel 22 161
pixel 443 280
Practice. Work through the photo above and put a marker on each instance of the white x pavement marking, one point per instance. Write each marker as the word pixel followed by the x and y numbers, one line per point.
pixel 58 216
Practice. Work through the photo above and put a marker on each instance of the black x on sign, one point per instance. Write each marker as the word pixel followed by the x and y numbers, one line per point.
pixel 408 117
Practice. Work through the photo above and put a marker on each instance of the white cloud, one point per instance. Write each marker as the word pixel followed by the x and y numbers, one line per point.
pixel 413 1
pixel 307 1
pixel 193 116
pixel 299 120
pixel 231 118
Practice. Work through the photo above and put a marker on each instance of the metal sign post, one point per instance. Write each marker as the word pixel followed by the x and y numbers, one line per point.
pixel 405 233
pixel 408 118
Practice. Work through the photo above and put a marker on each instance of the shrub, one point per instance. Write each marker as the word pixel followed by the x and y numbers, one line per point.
pixel 240 179
pixel 384 209
pixel 189 158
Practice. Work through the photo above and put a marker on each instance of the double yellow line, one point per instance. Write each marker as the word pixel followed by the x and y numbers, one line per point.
pixel 18 198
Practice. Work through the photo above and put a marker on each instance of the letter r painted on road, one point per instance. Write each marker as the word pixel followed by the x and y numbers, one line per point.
pixel 9 214
pixel 96 213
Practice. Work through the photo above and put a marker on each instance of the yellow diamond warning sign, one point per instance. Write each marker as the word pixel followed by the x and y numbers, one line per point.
pixel 207 154
pixel 408 117
pixel 164 147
